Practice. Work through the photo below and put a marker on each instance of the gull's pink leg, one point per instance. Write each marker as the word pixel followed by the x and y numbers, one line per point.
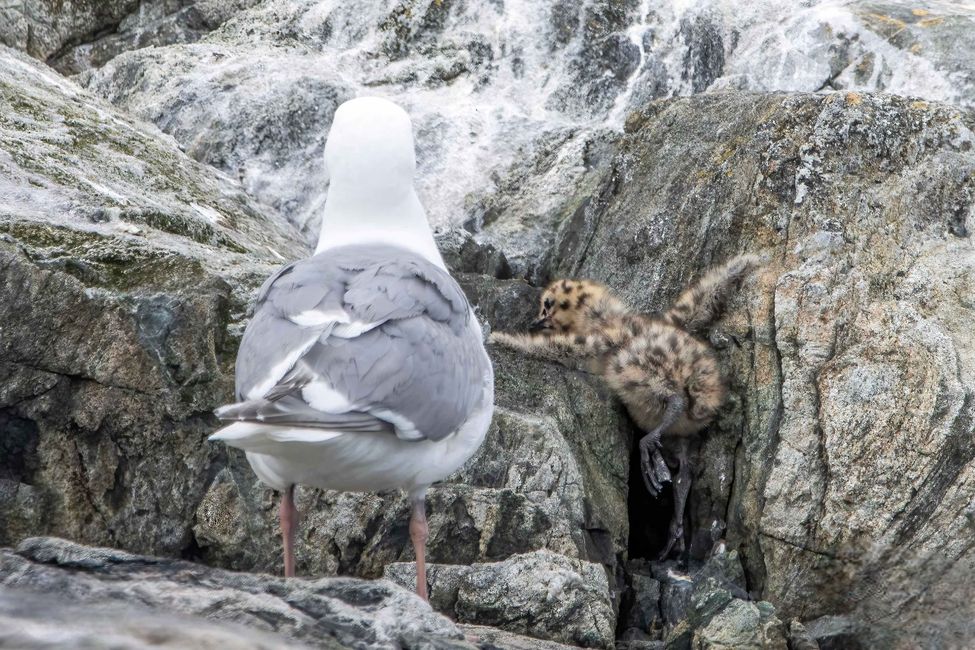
pixel 419 533
pixel 289 520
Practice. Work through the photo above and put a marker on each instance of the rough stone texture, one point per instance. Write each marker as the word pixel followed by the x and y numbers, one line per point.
pixel 324 613
pixel 861 45
pixel 281 68
pixel 32 621
pixel 490 638
pixel 151 23
pixel 843 464
pixel 640 605
pixel 709 609
pixel 125 269
pixel 495 89
pixel 262 119
pixel 74 36
pixel 43 27
pixel 540 594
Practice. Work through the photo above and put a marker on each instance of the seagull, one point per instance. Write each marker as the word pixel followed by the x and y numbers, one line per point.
pixel 363 368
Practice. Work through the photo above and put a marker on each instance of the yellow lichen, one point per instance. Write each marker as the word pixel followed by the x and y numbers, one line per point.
pixel 888 20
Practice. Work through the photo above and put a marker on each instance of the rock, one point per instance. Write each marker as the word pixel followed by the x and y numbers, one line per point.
pixel 108 410
pixel 324 613
pixel 125 271
pixel 541 594
pixel 490 638
pixel 43 27
pixel 800 638
pixel 505 305
pixel 463 254
pixel 255 97
pixel 836 632
pixel 151 23
pixel 864 207
pixel 558 182
pixel 269 133
pixel 709 609
pixel 862 45
pixel 77 36
pixel 642 602
pixel 29 621
pixel 742 624
pixel 840 467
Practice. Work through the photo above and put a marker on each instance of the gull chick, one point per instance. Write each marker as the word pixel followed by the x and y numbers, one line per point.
pixel 363 368
pixel 668 378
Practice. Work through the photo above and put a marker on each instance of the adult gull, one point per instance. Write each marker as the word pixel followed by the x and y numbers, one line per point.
pixel 363 368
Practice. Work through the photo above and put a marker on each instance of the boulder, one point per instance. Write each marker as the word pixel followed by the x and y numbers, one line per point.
pixel 327 613
pixel 32 621
pixel 43 27
pixel 540 594
pixel 125 272
pixel 841 466
pixel 255 97
pixel 75 36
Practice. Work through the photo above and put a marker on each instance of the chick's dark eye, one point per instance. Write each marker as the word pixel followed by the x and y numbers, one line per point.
pixel 564 304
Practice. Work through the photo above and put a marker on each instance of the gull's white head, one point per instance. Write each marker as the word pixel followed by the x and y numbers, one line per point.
pixel 371 162
pixel 370 147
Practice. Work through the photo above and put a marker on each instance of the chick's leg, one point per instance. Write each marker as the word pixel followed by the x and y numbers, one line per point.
pixel 655 472
pixel 682 487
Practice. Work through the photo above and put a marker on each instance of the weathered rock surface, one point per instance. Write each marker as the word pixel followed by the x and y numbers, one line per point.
pixel 540 594
pixel 124 269
pixel 511 100
pixel 843 465
pixel 43 27
pixel 283 66
pixel 324 613
pixel 32 621
pixel 75 36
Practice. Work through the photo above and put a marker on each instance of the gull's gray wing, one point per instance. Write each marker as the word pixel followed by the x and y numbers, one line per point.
pixel 361 338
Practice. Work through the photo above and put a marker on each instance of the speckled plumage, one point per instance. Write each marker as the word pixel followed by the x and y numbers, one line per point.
pixel 668 378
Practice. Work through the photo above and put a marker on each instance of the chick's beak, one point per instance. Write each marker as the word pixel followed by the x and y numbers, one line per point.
pixel 540 325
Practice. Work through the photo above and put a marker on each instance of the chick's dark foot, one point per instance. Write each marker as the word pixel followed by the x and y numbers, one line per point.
pixel 654 469
pixel 674 543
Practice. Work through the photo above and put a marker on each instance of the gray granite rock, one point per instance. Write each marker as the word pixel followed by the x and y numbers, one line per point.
pixel 79 35
pixel 323 613
pixel 541 594
pixel 864 206
pixel 126 271
pixel 42 621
